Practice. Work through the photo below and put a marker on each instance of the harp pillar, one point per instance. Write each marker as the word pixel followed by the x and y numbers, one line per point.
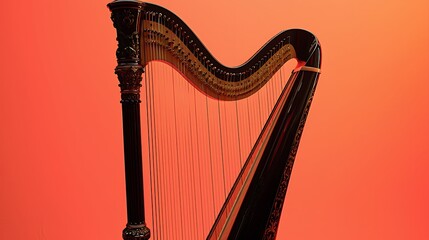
pixel 126 20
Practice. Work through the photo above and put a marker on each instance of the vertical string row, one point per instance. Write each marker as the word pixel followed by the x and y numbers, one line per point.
pixel 196 144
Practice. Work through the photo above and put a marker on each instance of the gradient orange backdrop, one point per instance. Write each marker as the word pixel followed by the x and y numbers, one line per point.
pixel 362 167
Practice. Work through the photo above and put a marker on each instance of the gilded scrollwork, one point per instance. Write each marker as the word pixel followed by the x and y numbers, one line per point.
pixel 276 210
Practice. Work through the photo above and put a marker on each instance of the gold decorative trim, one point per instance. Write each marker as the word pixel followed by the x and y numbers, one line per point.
pixel 307 69
pixel 274 218
pixel 160 43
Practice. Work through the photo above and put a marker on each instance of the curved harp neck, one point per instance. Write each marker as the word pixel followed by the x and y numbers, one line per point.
pixel 165 37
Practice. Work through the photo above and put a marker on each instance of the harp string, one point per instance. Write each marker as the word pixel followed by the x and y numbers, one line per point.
pixel 191 171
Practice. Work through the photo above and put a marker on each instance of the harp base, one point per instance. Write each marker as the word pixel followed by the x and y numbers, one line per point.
pixel 136 232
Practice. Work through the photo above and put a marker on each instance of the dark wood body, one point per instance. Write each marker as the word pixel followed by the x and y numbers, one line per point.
pixel 259 215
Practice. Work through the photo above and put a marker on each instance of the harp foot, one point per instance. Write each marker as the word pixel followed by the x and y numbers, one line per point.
pixel 136 232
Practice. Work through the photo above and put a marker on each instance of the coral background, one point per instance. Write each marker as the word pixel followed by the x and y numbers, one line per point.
pixel 362 167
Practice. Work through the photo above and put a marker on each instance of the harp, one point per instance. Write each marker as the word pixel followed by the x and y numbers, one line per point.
pixel 252 202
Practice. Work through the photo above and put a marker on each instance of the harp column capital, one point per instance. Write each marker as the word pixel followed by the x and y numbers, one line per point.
pixel 127 20
pixel 130 78
pixel 126 17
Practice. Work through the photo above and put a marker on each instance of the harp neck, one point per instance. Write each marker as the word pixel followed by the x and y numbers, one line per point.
pixel 156 34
